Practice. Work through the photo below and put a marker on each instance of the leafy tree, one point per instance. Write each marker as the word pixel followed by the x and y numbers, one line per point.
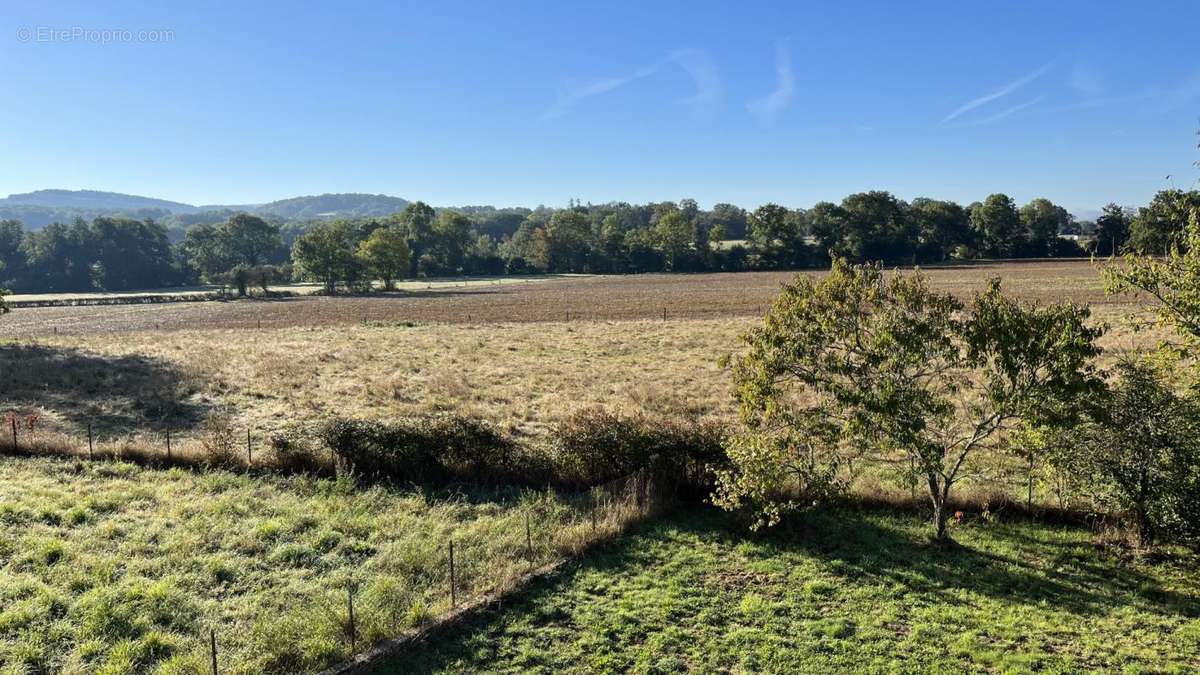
pixel 205 251
pixel 249 240
pixel 876 227
pixel 1160 224
pixel 941 228
pixel 452 234
pixel 385 255
pixel 998 228
pixel 1139 453
pixel 416 224
pixel 1112 230
pixel 675 235
pixel 1043 220
pixel 12 258
pixel 732 220
pixel 326 253
pixel 776 237
pixel 60 257
pixel 568 245
pixel 1173 282
pixel 860 360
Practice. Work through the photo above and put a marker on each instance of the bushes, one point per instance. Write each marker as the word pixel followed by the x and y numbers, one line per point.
pixel 432 450
pixel 595 445
pixel 592 447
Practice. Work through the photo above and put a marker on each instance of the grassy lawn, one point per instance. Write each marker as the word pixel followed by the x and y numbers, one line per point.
pixel 862 592
pixel 112 568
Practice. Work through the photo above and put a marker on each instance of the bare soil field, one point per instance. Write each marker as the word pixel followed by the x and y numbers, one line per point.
pixel 601 298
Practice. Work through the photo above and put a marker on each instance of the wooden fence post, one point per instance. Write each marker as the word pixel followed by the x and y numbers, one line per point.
pixel 249 454
pixel 89 440
pixel 212 643
pixel 13 420
pixel 528 537
pixel 453 592
pixel 168 445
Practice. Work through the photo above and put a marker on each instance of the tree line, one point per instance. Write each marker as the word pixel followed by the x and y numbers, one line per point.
pixel 246 251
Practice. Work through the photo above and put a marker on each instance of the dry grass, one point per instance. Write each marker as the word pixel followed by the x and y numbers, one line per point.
pixel 524 373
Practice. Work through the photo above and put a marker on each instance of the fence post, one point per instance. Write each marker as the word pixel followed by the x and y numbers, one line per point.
pixel 168 445
pixel 212 643
pixel 664 313
pixel 453 592
pixel 593 500
pixel 89 440
pixel 249 454
pixel 13 421
pixel 353 627
pixel 528 537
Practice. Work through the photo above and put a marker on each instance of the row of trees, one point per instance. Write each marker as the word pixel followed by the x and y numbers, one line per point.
pixel 244 251
pixel 860 363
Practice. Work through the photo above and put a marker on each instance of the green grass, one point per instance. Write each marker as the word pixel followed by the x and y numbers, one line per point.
pixel 111 568
pixel 855 591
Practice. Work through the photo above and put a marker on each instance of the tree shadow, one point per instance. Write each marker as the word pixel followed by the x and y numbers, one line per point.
pixel 859 549
pixel 114 394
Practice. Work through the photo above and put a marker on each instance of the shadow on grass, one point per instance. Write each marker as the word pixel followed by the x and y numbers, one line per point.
pixel 115 394
pixel 859 548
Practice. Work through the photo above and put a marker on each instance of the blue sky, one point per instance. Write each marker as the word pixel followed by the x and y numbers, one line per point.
pixel 537 103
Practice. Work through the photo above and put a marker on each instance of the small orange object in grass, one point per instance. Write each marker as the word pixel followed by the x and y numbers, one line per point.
pixel 958 516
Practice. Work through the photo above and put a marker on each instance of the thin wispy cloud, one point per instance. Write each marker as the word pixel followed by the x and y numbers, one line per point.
pixel 699 66
pixel 768 107
pixel 696 63
pixel 999 93
pixel 1008 112
pixel 573 96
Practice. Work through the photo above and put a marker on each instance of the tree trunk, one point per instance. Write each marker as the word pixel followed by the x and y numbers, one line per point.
pixel 937 495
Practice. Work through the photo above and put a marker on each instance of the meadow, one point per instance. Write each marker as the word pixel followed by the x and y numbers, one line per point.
pixel 115 567
pixel 849 590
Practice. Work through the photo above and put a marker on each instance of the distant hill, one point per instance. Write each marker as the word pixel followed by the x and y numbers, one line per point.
pixel 333 205
pixel 92 200
pixel 42 207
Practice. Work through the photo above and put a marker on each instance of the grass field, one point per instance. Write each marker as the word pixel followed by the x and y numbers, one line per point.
pixel 108 567
pixel 843 592
pixel 111 568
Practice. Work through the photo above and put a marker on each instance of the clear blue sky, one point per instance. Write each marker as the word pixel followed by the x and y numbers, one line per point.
pixel 524 103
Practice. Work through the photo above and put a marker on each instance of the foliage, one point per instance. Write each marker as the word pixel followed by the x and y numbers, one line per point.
pixel 1160 225
pixel 998 227
pixel 385 255
pixel 326 253
pixel 595 445
pixel 888 366
pixel 1173 281
pixel 432 451
pixel 1139 452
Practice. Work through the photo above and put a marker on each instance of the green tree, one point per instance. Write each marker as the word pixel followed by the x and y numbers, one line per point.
pixel 675 235
pixel 942 228
pixel 776 237
pixel 876 226
pixel 859 360
pixel 998 228
pixel 1138 453
pixel 452 234
pixel 1172 281
pixel 1112 230
pixel 416 224
pixel 249 240
pixel 1160 224
pixel 568 244
pixel 326 253
pixel 385 255
pixel 1043 220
